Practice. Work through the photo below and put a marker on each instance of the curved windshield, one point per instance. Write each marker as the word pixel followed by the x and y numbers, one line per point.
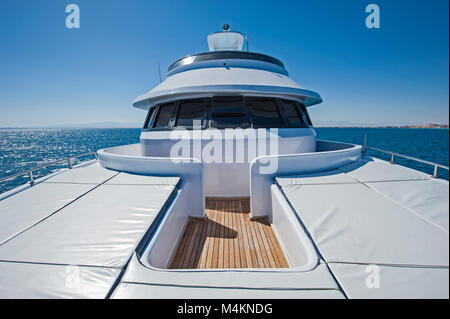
pixel 228 112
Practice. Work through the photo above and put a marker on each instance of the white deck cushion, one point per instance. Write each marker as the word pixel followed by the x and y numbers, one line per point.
pixel 318 278
pixel 393 219
pixel 100 229
pixel 131 179
pixel 359 281
pixel 369 170
pixel 426 198
pixel 353 223
pixel 329 177
pixel 22 280
pixel 140 291
pixel 31 205
pixel 92 174
pixel 24 209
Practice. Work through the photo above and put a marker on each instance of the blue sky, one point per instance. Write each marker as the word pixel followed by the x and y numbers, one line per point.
pixel 51 75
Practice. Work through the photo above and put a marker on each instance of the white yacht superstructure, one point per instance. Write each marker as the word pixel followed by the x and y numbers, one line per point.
pixel 229 194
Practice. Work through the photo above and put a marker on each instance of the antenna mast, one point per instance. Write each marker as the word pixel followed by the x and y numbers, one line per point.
pixel 159 71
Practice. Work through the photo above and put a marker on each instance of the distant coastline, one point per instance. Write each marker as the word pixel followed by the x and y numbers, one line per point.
pixel 115 125
pixel 428 125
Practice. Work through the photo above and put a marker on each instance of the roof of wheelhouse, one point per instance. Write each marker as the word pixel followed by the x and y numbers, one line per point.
pixel 226 69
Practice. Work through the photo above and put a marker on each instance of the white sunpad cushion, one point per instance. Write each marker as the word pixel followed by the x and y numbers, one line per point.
pixel 318 278
pixel 28 207
pixel 132 179
pixel 352 223
pixel 146 291
pixel 329 177
pixel 92 174
pixel 100 229
pixel 37 281
pixel 358 281
pixel 365 170
pixel 427 198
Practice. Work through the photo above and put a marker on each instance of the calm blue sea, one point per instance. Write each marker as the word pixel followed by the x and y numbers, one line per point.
pixel 22 149
pixel 427 144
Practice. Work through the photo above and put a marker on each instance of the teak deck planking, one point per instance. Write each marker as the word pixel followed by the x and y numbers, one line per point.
pixel 227 238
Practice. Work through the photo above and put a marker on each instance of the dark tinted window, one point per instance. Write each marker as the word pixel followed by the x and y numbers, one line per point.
pixel 229 112
pixel 264 113
pixel 192 112
pixel 292 114
pixel 305 115
pixel 165 114
pixel 148 121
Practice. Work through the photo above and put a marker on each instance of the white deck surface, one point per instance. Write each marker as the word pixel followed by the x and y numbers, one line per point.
pixel 376 213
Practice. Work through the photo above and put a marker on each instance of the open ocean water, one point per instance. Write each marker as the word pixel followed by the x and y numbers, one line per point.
pixel 22 149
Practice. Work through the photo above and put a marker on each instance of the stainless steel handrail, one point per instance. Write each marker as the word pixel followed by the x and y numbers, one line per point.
pixel 393 154
pixel 30 171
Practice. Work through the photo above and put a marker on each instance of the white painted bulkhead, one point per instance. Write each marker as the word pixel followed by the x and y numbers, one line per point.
pixel 226 154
